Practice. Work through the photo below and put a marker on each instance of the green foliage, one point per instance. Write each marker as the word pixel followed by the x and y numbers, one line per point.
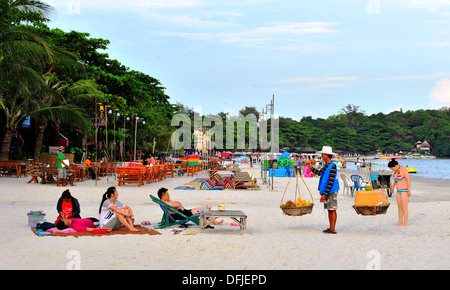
pixel 354 131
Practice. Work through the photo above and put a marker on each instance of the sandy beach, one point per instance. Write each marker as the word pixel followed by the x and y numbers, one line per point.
pixel 272 240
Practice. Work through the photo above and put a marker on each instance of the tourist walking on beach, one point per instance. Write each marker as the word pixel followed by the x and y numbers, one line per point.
pixel 298 165
pixel 113 213
pixel 328 186
pixel 68 208
pixel 403 184
pixel 63 164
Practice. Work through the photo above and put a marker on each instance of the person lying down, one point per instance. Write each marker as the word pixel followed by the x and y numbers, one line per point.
pixel 163 194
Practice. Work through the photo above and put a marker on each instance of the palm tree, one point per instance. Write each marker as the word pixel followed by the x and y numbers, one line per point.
pixel 24 56
pixel 73 96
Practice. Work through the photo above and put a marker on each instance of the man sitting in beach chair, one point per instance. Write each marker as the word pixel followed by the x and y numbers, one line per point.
pixel 174 211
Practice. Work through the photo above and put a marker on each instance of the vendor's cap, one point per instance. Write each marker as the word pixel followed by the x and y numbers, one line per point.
pixel 326 150
pixel 61 148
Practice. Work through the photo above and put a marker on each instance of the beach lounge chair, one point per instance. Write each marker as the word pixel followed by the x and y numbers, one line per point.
pixel 207 186
pixel 167 219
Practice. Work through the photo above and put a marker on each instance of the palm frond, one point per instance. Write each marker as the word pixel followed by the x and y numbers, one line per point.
pixel 69 115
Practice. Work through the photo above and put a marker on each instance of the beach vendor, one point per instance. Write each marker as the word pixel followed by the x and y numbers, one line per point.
pixel 68 208
pixel 402 183
pixel 63 164
pixel 328 186
pixel 114 213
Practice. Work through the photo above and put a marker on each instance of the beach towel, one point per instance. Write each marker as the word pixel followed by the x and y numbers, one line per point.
pixel 121 231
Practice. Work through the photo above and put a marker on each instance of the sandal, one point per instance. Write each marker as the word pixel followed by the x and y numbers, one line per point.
pixel 328 231
pixel 146 223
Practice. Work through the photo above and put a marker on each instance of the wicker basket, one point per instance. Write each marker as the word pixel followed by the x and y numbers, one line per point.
pixel 371 210
pixel 297 211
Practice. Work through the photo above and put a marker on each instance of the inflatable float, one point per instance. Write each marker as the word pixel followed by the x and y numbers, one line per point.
pixel 307 172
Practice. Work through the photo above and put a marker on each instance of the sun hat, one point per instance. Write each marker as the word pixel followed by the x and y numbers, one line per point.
pixel 326 150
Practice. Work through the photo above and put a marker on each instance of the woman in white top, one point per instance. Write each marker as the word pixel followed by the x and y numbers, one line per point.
pixel 113 213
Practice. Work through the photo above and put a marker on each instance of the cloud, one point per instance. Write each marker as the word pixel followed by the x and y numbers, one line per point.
pixel 415 77
pixel 319 80
pixel 279 33
pixel 440 94
pixel 135 5
pixel 325 86
pixel 433 44
pixel 430 5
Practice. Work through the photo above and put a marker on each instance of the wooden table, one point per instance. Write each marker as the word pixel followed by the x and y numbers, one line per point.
pixel 50 174
pixel 236 215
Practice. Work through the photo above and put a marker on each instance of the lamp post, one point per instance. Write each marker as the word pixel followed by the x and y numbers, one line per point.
pixel 96 126
pixel 135 134
pixel 117 114
pixel 125 134
pixel 271 105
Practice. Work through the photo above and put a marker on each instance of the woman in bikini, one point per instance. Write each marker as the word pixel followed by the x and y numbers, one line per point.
pixel 403 184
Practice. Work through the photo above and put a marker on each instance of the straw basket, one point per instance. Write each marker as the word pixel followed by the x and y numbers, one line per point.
pixel 297 211
pixel 371 210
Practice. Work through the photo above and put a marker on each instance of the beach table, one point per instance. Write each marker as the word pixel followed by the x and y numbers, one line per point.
pixel 49 175
pixel 236 215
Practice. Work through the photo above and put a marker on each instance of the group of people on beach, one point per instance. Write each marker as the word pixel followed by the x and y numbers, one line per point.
pixel 113 214
pixel 329 187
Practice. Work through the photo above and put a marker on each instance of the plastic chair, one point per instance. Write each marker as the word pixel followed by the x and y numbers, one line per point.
pixel 347 186
pixel 358 180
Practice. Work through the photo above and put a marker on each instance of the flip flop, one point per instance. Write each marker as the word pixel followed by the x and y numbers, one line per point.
pixel 190 234
pixel 234 224
pixel 146 223
pixel 209 227
pixel 328 231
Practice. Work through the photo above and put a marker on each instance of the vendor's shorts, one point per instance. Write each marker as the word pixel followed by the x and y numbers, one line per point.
pixel 62 173
pixel 331 201
pixel 113 223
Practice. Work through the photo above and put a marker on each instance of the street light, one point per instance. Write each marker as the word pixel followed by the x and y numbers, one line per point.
pixel 135 134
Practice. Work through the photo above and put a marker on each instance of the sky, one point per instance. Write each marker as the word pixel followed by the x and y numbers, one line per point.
pixel 313 57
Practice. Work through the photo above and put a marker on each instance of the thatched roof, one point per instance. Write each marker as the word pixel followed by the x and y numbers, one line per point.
pixel 308 150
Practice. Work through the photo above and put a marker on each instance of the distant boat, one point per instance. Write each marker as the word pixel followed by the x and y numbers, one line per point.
pixel 384 158
pixel 411 169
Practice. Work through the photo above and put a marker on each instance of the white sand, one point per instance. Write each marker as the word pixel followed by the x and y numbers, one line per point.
pixel 272 241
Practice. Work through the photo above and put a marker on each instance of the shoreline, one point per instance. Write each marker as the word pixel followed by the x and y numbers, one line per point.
pixel 272 240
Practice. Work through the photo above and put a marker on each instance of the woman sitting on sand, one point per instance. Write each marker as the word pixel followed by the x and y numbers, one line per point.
pixel 403 184
pixel 113 213
pixel 68 208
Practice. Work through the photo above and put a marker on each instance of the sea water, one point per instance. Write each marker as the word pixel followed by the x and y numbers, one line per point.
pixel 426 168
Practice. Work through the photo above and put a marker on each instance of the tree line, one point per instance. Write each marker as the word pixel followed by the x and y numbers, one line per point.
pixel 61 81
pixel 352 130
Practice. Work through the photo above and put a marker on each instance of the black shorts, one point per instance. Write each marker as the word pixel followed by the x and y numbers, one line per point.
pixel 186 212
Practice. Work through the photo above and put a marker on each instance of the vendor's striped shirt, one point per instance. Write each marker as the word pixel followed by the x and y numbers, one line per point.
pixel 333 172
